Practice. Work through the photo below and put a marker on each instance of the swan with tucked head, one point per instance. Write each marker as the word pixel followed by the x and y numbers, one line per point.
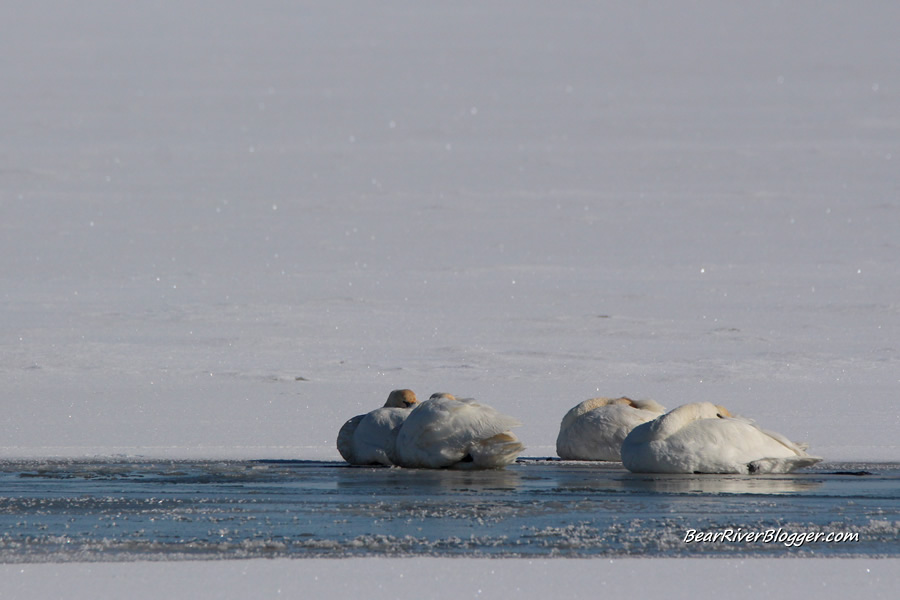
pixel 369 439
pixel 706 438
pixel 460 433
pixel 595 429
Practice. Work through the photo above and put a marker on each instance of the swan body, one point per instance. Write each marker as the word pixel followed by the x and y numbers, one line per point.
pixel 705 438
pixel 369 439
pixel 596 428
pixel 460 433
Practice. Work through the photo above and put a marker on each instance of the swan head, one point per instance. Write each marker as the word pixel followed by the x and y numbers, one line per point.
pixel 401 399
pixel 649 405
pixel 591 404
pixel 440 395
pixel 723 413
pixel 623 400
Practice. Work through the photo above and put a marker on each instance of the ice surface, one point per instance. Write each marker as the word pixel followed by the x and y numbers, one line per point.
pixel 125 510
pixel 227 227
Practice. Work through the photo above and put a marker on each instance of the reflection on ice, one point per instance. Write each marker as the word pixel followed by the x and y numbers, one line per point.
pixel 426 480
pixel 720 484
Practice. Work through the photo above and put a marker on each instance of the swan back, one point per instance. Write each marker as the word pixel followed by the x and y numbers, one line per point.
pixel 585 407
pixel 445 431
pixel 376 435
pixel 595 429
pixel 677 419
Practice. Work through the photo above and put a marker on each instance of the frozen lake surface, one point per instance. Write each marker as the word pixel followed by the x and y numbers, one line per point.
pixel 123 510
pixel 227 227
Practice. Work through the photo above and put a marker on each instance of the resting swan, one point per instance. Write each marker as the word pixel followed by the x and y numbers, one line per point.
pixel 445 432
pixel 369 439
pixel 595 429
pixel 706 438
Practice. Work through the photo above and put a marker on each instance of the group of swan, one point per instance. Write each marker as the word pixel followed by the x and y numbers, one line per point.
pixel 439 433
pixel 694 438
pixel 447 432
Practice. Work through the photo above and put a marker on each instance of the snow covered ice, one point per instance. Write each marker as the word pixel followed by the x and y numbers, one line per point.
pixel 642 204
pixel 226 228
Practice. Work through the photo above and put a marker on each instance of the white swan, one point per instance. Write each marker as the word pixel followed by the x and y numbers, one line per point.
pixel 705 438
pixel 595 429
pixel 446 432
pixel 369 439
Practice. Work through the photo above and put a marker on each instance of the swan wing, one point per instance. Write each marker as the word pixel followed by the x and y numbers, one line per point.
pixel 714 445
pixel 375 435
pixel 443 431
pixel 598 434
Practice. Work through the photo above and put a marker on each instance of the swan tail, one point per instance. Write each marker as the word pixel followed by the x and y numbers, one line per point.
pixel 781 465
pixel 494 452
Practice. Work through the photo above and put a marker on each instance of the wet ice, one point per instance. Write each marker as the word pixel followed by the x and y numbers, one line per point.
pixel 126 510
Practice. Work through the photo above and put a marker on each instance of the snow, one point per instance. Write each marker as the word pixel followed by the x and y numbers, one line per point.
pixel 455 578
pixel 228 227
